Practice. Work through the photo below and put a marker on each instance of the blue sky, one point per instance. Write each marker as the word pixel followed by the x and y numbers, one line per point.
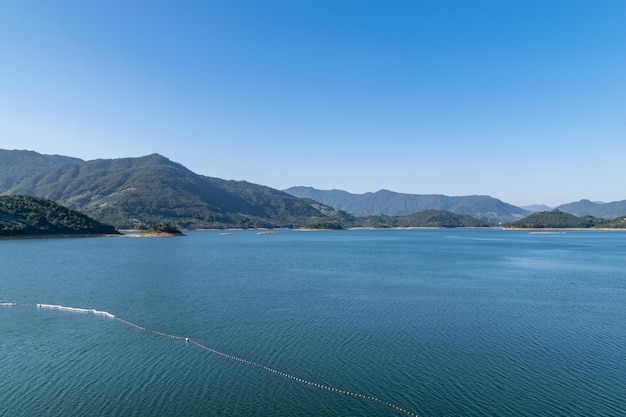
pixel 521 100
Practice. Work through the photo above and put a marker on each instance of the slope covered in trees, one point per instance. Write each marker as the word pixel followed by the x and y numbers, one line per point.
pixel 426 218
pixel 16 166
pixel 26 215
pixel 139 192
pixel 557 219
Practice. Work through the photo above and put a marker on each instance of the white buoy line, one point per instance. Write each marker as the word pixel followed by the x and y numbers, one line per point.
pixel 217 352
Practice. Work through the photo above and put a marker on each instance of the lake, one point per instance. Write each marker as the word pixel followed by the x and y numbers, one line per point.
pixel 443 322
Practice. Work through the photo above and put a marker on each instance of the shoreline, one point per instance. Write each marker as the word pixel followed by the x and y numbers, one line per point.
pixel 152 234
pixel 139 234
pixel 556 229
pixel 59 236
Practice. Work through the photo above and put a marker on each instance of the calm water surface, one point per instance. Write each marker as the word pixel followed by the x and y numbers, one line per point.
pixel 439 322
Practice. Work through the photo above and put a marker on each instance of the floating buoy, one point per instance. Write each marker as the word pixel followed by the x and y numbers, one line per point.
pixel 225 355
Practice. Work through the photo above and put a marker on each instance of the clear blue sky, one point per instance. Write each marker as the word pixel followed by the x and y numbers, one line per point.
pixel 521 100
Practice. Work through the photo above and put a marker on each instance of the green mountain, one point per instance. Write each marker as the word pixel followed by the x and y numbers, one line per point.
pixel 589 208
pixel 557 219
pixel 397 204
pixel 16 166
pixel 26 215
pixel 139 192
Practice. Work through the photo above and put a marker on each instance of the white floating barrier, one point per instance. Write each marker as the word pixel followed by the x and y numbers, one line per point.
pixel 225 355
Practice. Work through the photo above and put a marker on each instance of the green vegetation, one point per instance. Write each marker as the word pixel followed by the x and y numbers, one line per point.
pixel 17 166
pixel 426 218
pixel 137 192
pixel 324 226
pixel 557 219
pixel 23 215
pixel 618 223
pixel 164 228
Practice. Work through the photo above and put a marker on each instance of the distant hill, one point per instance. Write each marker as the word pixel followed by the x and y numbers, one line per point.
pixel 590 208
pixel 140 192
pixel 16 166
pixel 556 219
pixel 617 223
pixel 426 218
pixel 397 204
pixel 33 216
pixel 533 208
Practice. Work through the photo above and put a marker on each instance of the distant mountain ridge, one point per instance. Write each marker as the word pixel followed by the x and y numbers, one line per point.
pixel 144 191
pixel 533 208
pixel 398 204
pixel 589 208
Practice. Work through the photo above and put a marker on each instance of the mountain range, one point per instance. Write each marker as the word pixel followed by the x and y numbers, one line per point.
pixel 397 204
pixel 589 208
pixel 140 192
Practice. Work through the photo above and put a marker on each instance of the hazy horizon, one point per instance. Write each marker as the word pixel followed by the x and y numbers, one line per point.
pixel 520 101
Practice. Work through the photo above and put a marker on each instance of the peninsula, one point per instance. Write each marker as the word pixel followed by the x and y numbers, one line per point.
pixel 23 216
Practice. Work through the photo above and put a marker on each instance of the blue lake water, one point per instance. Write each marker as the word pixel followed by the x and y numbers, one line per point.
pixel 437 322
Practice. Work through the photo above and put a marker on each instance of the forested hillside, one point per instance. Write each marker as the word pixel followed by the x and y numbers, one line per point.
pixel 27 215
pixel 16 166
pixel 140 192
pixel 426 218
pixel 557 219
